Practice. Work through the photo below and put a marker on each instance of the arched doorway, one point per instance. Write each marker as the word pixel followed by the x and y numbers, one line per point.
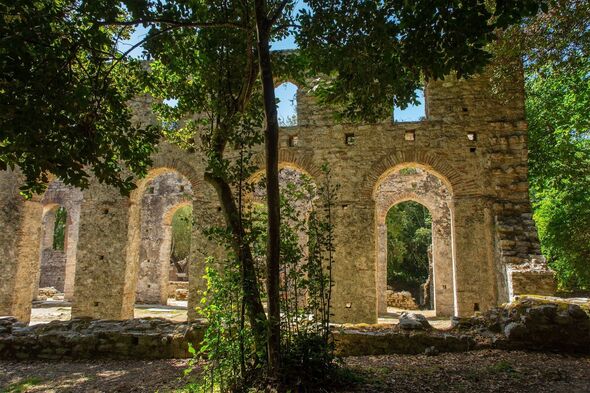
pixel 415 183
pixel 164 195
pixel 59 241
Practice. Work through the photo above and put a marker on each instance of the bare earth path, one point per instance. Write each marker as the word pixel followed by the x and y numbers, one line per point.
pixel 481 371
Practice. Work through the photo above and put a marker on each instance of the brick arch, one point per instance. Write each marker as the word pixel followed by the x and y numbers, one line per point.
pixel 429 190
pixel 413 197
pixel 289 158
pixel 394 160
pixel 164 163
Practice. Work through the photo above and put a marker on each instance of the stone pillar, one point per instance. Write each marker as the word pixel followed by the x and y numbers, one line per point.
pixel 206 213
pixel 442 263
pixel 354 295
pixel 381 255
pixel 103 284
pixel 20 225
pixel 71 248
pixel 475 281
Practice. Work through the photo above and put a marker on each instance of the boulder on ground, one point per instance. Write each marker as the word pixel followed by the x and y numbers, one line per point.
pixel 411 321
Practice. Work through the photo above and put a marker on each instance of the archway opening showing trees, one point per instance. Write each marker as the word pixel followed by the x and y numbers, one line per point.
pixel 409 254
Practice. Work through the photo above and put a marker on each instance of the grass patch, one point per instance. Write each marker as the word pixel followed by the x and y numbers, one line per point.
pixel 22 386
pixel 501 367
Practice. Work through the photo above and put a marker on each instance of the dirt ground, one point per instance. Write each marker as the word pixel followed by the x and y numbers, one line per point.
pixel 481 371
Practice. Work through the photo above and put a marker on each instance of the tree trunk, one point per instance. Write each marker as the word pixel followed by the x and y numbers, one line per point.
pixel 263 26
pixel 254 307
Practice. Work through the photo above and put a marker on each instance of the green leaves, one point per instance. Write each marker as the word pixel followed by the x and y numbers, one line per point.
pixel 64 98
pixel 376 54
pixel 409 234
pixel 559 165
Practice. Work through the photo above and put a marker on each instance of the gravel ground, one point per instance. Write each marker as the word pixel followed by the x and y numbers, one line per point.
pixel 478 371
pixel 481 371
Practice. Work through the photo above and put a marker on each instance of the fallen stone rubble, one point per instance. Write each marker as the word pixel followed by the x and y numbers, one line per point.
pixel 529 323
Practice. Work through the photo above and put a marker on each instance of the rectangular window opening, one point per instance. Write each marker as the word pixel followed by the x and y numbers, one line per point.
pixel 349 139
pixel 293 141
pixel 410 135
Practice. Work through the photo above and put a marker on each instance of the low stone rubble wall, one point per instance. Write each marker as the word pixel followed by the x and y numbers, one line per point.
pixel 535 322
pixel 529 323
pixel 149 338
pixel 403 300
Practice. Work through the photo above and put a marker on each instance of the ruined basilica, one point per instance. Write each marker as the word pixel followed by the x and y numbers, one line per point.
pixel 470 161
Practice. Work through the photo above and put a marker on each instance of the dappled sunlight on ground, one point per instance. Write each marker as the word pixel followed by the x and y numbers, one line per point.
pixel 44 312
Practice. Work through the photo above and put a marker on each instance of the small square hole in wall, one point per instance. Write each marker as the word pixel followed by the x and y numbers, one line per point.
pixel 472 149
pixel 294 140
pixel 181 188
pixel 349 139
pixel 475 306
pixel 472 136
pixel 410 135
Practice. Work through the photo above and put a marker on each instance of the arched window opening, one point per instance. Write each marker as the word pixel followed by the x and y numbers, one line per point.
pixel 409 256
pixel 413 112
pixel 286 95
pixel 59 229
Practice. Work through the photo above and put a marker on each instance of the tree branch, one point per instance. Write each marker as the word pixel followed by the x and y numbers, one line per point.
pixel 277 13
pixel 175 23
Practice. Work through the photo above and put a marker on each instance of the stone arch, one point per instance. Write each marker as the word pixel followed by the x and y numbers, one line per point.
pixel 60 265
pixel 428 189
pixel 394 160
pixel 165 163
pixel 135 232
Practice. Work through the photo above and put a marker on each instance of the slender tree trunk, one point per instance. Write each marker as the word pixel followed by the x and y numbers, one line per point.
pixel 263 26
pixel 254 307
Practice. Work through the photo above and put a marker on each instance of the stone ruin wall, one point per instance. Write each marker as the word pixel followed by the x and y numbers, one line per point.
pixel 495 251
